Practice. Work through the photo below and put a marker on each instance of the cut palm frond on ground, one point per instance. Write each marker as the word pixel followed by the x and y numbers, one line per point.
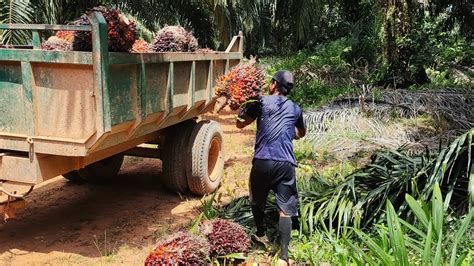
pixel 455 106
pixel 390 119
pixel 360 198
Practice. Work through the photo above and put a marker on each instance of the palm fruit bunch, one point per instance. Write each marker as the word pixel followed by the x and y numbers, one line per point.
pixel 180 249
pixel 66 35
pixel 55 43
pixel 175 39
pixel 225 237
pixel 82 39
pixel 61 41
pixel 122 33
pixel 243 83
pixel 140 46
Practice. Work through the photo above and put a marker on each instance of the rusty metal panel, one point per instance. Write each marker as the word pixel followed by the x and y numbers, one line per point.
pixel 181 83
pixel 64 102
pixel 202 75
pixel 156 76
pixel 14 104
pixel 35 170
pixel 219 68
pixel 18 169
pixel 123 86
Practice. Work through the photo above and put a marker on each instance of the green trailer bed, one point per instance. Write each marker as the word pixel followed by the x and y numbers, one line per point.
pixel 63 111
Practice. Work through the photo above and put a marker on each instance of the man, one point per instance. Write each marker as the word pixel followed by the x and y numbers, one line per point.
pixel 279 121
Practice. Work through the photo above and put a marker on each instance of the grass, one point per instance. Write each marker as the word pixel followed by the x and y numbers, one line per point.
pixel 105 247
pixel 427 240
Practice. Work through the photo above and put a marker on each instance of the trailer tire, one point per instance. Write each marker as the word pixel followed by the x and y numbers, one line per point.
pixel 102 170
pixel 73 177
pixel 174 158
pixel 206 168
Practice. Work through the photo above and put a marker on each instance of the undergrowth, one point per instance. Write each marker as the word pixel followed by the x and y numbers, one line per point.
pixel 347 212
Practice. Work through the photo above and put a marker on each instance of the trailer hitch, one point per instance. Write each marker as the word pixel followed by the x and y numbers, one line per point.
pixel 14 202
pixel 9 207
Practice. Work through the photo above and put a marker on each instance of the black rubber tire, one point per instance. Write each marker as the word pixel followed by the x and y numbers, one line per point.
pixel 206 168
pixel 102 170
pixel 174 158
pixel 73 177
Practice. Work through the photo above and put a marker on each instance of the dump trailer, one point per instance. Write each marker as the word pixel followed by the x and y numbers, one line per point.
pixel 77 114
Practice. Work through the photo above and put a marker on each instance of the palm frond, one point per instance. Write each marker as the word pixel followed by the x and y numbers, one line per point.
pixel 306 14
pixel 425 238
pixel 11 12
pixel 455 106
pixel 359 200
pixel 389 176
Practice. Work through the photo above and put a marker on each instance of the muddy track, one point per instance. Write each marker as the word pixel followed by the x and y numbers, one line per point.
pixel 66 223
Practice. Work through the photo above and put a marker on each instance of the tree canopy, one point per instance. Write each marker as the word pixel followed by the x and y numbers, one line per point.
pixel 400 37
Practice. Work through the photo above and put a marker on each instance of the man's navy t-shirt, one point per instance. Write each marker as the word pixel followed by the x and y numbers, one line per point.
pixel 277 117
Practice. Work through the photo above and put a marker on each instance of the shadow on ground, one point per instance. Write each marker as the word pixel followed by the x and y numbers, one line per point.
pixel 132 209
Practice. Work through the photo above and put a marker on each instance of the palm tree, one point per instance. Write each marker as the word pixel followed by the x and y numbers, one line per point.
pixel 214 22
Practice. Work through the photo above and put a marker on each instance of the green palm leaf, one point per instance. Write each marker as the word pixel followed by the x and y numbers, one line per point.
pixel 14 12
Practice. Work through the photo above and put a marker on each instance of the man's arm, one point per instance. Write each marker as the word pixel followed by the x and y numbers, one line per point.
pixel 248 114
pixel 243 121
pixel 300 132
pixel 300 127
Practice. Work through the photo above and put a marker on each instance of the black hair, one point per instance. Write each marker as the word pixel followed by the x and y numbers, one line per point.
pixel 282 89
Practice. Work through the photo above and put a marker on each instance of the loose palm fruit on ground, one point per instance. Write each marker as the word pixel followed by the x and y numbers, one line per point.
pixel 225 237
pixel 180 249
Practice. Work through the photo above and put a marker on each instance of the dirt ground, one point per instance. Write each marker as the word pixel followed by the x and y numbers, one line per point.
pixel 115 223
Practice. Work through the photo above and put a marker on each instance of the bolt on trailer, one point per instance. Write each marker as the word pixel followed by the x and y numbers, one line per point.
pixel 77 114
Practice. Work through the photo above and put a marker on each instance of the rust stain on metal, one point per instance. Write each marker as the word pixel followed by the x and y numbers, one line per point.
pixel 47 97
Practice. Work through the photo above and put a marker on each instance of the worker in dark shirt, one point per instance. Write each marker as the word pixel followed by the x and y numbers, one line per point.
pixel 279 121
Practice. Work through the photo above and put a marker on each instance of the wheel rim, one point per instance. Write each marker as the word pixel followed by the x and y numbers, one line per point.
pixel 214 158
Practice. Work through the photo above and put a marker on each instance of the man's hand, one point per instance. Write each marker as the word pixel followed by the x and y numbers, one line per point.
pixel 299 133
pixel 249 112
pixel 243 121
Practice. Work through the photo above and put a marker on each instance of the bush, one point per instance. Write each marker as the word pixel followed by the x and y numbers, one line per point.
pixel 320 76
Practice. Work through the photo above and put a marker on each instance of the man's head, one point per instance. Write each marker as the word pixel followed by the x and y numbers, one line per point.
pixel 282 82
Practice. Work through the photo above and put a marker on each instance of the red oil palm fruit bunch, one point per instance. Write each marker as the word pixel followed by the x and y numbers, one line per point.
pixel 141 46
pixel 56 44
pixel 82 39
pixel 243 83
pixel 175 39
pixel 65 35
pixel 121 32
pixel 61 41
pixel 225 237
pixel 180 249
